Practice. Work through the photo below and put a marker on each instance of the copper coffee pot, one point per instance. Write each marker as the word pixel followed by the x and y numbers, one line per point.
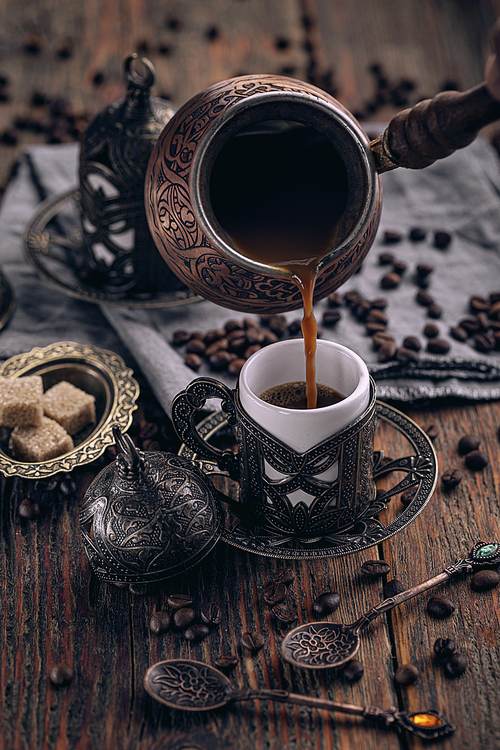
pixel 179 203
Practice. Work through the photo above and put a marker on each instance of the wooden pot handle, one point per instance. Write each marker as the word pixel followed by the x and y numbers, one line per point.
pixel 434 128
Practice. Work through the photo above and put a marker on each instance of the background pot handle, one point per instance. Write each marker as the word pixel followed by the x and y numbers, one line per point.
pixel 434 128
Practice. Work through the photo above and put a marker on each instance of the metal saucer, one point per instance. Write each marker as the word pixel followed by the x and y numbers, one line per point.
pixel 51 250
pixel 420 470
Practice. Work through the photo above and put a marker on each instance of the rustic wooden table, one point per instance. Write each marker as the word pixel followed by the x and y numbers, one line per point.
pixel 60 65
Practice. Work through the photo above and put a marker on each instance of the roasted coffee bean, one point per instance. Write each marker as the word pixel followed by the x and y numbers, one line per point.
pixel 424 269
pixel 275 593
pixel 361 311
pixel 184 617
pixel 159 622
pixel 438 346
pixel 211 614
pixel 434 311
pixel 390 281
pixel 236 333
pixel 431 331
pixel 216 346
pixel 295 327
pixel 61 674
pixel 407 496
pixel 226 662
pixel 417 234
pixel 455 665
pixel 331 317
pixel 234 367
pixel 238 345
pixel 440 606
pixel 442 240
pixel 353 670
pixel 387 351
pixel 196 632
pixel 406 674
pixel 423 298
pixel 380 303
pixel 391 237
pixel 484 580
pixel 335 300
pixel 253 641
pixel 459 333
pixel 479 304
pixel 392 588
pixel 476 460
pixel 353 297
pixel 277 324
pixel 29 509
pixel 193 361
pixel 180 337
pixel 432 431
pixel 451 479
pixel 255 335
pixel 220 361
pixel 381 337
pixel 286 576
pixel 404 355
pixel 269 338
pixel 372 328
pixel 444 648
pixel 494 311
pixel 468 443
pixel 375 568
pixel 284 614
pixel 326 603
pixel 399 267
pixel 177 601
pixel 195 346
pixel 214 335
pixel 412 342
pixel 470 325
pixel 249 351
pixel 484 343
pixel 386 259
pixel 232 325
pixel 377 316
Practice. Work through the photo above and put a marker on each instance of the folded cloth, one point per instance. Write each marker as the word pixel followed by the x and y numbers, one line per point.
pixel 459 195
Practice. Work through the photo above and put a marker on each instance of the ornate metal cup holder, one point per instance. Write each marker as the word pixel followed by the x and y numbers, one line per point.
pixel 419 470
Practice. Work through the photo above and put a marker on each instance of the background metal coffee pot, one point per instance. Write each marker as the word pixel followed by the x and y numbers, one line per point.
pixel 179 197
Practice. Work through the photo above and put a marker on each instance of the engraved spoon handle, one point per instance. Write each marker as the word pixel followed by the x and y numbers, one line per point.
pixel 390 717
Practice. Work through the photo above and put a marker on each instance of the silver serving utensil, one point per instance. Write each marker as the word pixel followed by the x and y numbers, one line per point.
pixel 191 685
pixel 327 645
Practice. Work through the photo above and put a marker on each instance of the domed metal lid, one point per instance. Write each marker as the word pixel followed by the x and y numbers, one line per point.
pixel 148 516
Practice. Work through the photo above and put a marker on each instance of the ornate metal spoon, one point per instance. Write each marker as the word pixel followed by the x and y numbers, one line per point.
pixel 325 645
pixel 193 686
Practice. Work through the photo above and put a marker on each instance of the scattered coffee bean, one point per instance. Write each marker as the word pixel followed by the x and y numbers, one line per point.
pixel 483 320
pixel 180 337
pixel 377 316
pixel 196 632
pixel 211 614
pixel 380 303
pixel 431 331
pixel 423 298
pixel 252 641
pixel 399 267
pixel 476 460
pixel 393 588
pixel 444 648
pixel 380 338
pixel 424 269
pixel 286 576
pixel 405 355
pixel 226 662
pixel 438 346
pixel 195 346
pixel 407 674
pixel 479 304
pixel 326 603
pixel 375 568
pixel 372 328
pixel 234 367
pixel 408 495
pixel 468 443
pixel 455 666
pixel 434 311
pixel 432 431
pixel 469 325
pixel 193 361
pixel 417 234
pixel 484 342
pixel 284 613
pixel 390 280
pixel 275 593
pixel 451 479
pixel 353 670
pixel 159 622
pixel 387 351
pixel 442 240
pixel 386 259
pixel 184 617
pixel 176 601
pixel 61 674
pixel 334 299
pixel 391 237
pixel 459 333
pixel 331 317
pixel 484 580
pixel 440 606
pixel 412 342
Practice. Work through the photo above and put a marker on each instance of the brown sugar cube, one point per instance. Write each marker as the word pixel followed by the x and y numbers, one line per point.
pixel 70 406
pixel 21 401
pixel 40 443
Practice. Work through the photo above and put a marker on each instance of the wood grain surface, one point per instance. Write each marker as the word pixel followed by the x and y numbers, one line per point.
pixel 51 608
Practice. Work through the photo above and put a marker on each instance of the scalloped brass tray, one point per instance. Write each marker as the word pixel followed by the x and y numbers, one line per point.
pixel 97 371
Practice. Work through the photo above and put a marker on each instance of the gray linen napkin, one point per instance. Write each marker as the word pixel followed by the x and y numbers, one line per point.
pixel 459 194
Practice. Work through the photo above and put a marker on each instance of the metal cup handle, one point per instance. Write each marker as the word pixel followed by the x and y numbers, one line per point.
pixel 184 408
